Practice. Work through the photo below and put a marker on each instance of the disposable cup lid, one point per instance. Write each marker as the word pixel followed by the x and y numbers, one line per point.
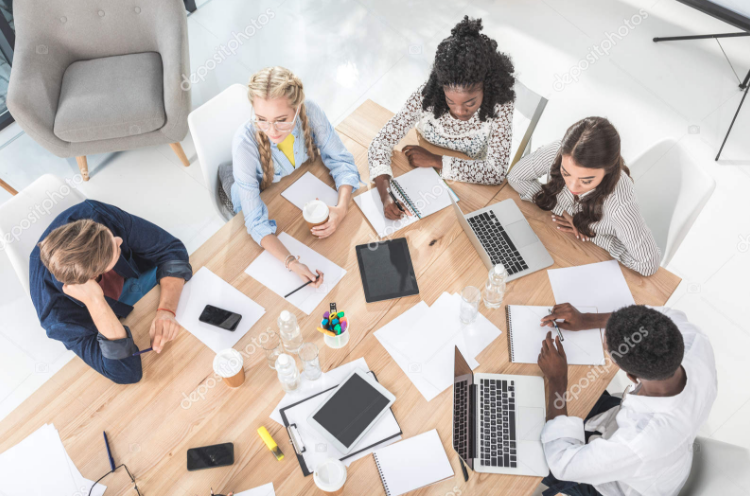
pixel 228 363
pixel 330 474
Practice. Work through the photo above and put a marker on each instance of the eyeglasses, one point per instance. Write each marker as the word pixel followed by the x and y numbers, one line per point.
pixel 132 479
pixel 281 127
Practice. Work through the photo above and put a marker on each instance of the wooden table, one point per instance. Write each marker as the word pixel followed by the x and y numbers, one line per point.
pixel 152 424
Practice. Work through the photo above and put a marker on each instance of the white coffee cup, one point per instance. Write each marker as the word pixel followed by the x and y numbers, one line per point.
pixel 315 213
pixel 229 365
pixel 330 476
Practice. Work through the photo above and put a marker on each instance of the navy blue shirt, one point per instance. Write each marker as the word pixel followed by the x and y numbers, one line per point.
pixel 144 246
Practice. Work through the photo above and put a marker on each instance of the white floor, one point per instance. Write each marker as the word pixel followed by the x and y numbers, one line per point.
pixel 348 51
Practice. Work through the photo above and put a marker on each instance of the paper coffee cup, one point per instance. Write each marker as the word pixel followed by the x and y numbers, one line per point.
pixel 228 364
pixel 315 213
pixel 330 476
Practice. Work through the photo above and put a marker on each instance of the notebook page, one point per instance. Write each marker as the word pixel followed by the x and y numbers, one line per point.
pixel 581 347
pixel 426 189
pixel 371 205
pixel 413 463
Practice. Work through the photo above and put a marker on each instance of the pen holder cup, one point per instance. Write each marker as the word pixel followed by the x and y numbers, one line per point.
pixel 339 341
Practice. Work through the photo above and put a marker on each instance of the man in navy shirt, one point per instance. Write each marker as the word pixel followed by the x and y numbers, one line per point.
pixel 92 264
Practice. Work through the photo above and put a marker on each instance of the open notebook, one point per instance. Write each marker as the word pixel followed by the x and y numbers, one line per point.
pixel 525 337
pixel 413 463
pixel 420 190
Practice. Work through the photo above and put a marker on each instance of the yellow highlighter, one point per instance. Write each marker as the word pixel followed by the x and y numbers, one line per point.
pixel 266 437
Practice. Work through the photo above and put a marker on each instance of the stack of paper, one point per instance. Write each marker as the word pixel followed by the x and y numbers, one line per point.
pixel 270 271
pixel 40 466
pixel 422 341
pixel 206 288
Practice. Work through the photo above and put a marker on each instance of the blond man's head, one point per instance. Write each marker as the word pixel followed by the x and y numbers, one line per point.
pixel 79 251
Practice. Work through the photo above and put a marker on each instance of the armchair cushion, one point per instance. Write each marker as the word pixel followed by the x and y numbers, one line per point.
pixel 111 97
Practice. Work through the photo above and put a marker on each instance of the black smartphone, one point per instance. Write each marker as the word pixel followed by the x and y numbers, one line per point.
pixel 218 455
pixel 220 318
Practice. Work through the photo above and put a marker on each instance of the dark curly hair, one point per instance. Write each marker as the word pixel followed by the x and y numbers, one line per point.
pixel 644 342
pixel 593 143
pixel 464 59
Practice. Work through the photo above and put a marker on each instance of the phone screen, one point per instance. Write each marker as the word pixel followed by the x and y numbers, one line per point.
pixel 220 318
pixel 218 455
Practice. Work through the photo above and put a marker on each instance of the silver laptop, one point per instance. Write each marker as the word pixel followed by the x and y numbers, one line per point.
pixel 502 235
pixel 498 421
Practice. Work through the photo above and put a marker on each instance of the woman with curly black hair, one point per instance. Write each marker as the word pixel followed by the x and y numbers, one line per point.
pixel 589 192
pixel 465 106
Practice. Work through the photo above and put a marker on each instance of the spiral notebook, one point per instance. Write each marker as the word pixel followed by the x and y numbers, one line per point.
pixel 525 337
pixel 413 463
pixel 421 190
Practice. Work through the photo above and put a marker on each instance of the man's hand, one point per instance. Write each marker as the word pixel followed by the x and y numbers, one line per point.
pixel 335 217
pixel 565 224
pixel 552 360
pixel 419 157
pixel 164 329
pixel 573 320
pixel 86 293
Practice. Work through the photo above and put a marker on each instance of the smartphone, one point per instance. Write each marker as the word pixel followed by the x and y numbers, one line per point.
pixel 218 455
pixel 220 318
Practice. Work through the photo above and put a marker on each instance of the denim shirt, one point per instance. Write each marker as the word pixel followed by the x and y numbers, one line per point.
pixel 144 246
pixel 248 171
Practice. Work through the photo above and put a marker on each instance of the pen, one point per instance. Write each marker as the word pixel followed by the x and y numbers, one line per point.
pixel 308 282
pixel 142 352
pixel 266 437
pixel 396 201
pixel 554 323
pixel 463 469
pixel 109 453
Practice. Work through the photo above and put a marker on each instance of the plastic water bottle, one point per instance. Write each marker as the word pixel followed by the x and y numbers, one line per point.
pixel 291 338
pixel 287 372
pixel 494 291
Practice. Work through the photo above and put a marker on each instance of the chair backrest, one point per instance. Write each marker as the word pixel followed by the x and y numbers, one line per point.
pixel 529 107
pixel 718 468
pixel 213 125
pixel 24 218
pixel 672 190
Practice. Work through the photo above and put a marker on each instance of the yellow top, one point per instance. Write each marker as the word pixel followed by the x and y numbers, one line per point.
pixel 287 148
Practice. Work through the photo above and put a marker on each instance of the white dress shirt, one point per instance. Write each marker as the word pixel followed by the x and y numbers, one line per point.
pixel 647 448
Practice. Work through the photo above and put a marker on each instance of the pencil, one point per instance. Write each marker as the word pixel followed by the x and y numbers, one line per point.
pixel 308 282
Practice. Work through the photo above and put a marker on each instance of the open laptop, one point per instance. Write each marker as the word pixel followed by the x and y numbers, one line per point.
pixel 502 235
pixel 498 421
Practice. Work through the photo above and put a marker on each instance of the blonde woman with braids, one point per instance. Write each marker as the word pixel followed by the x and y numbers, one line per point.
pixel 285 132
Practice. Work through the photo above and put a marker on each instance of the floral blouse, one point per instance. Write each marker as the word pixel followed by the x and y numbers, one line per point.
pixel 487 143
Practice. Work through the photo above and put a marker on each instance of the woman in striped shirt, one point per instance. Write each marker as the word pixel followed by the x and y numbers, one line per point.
pixel 590 192
pixel 465 106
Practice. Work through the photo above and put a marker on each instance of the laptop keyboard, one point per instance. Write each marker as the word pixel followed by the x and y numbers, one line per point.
pixel 496 242
pixel 497 423
pixel 461 418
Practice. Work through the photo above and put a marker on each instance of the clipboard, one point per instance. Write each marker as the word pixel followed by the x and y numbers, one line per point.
pixel 305 450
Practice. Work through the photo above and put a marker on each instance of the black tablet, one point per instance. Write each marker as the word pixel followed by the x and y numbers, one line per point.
pixel 386 270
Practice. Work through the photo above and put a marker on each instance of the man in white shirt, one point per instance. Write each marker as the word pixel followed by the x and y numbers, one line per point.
pixel 642 446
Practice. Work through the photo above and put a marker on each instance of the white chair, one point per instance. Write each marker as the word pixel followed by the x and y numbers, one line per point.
pixel 672 190
pixel 24 218
pixel 529 107
pixel 213 125
pixel 718 468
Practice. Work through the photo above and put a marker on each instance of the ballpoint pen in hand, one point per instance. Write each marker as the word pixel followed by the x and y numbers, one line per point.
pixel 554 323
pixel 396 201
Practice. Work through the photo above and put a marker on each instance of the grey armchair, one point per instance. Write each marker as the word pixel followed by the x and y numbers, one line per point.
pixel 98 76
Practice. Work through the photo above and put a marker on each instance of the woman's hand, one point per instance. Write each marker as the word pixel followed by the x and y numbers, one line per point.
pixel 390 206
pixel 419 157
pixel 335 217
pixel 565 224
pixel 304 273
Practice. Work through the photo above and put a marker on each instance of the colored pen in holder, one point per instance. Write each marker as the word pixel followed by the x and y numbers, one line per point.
pixel 335 328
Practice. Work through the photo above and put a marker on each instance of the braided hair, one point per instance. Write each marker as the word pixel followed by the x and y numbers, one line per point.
pixel 279 82
pixel 464 59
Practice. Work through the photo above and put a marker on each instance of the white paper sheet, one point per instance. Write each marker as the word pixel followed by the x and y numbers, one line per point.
pixel 581 347
pixel 422 341
pixel 206 288
pixel 264 490
pixel 599 285
pixel 307 188
pixel 308 388
pixel 270 272
pixel 318 449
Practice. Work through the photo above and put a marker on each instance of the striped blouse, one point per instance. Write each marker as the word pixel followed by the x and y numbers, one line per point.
pixel 621 230
pixel 488 143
